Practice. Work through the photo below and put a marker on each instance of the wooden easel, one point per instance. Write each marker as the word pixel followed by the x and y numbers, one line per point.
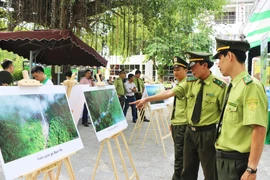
pixel 48 169
pixel 107 140
pixel 159 118
pixel 139 123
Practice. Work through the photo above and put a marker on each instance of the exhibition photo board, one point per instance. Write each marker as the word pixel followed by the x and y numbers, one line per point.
pixel 76 101
pixel 36 128
pixel 105 112
pixel 151 90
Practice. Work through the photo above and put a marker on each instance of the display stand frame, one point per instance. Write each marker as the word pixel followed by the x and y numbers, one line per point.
pixel 157 115
pixel 48 169
pixel 107 140
pixel 139 123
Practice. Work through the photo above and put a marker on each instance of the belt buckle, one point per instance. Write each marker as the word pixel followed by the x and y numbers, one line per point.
pixel 193 128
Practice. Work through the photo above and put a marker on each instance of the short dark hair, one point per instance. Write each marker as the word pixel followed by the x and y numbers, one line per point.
pixel 209 63
pixel 69 74
pixel 6 63
pixel 130 76
pixel 37 69
pixel 87 71
pixel 122 71
pixel 240 55
pixel 138 72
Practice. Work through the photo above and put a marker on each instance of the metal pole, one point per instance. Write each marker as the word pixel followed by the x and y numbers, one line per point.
pixel 58 78
pixel 30 64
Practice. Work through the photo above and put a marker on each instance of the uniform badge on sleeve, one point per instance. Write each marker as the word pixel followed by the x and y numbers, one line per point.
pixel 252 103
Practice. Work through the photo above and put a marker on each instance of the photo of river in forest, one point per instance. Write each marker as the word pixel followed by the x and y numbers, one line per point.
pixel 30 123
pixel 104 107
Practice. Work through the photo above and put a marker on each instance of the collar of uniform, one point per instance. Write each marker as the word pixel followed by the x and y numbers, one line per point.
pixel 208 80
pixel 238 78
pixel 183 80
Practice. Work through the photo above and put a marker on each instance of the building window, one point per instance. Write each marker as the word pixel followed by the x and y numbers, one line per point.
pixel 226 18
pixel 168 74
pixel 143 69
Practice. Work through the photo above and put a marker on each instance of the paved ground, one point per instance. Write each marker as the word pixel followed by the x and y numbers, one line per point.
pixel 149 161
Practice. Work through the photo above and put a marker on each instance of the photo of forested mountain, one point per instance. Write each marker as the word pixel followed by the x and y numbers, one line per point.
pixel 104 107
pixel 31 123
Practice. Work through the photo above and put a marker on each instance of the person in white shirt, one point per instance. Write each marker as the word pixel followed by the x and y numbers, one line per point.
pixel 38 74
pixel 130 89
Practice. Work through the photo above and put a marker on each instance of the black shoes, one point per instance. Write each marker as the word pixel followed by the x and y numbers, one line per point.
pixel 86 124
pixel 134 121
pixel 146 120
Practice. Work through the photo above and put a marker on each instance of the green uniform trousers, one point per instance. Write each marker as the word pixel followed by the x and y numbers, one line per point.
pixel 122 101
pixel 231 169
pixel 178 132
pixel 199 147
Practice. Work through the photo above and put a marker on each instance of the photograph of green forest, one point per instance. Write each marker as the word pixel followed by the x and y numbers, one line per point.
pixel 30 123
pixel 104 107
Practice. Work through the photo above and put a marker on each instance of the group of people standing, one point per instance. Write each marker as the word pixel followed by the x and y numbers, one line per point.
pixel 218 126
pixel 129 90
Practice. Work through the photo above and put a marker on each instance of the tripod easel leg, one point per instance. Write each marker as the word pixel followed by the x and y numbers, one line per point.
pixel 129 155
pixel 98 159
pixel 154 127
pixel 142 116
pixel 59 169
pixel 69 168
pixel 121 156
pixel 146 133
pixel 138 125
pixel 161 138
pixel 112 159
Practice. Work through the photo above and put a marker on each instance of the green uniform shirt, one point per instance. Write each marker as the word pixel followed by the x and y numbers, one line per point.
pixel 140 82
pixel 118 83
pixel 180 110
pixel 247 105
pixel 213 97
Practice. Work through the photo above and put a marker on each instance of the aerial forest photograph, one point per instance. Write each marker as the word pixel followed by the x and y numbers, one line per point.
pixel 153 90
pixel 30 123
pixel 104 107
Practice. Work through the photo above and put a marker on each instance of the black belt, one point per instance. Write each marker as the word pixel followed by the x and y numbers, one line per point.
pixel 129 96
pixel 202 128
pixel 231 155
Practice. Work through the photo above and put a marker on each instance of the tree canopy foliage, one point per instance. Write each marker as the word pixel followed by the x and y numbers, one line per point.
pixel 158 28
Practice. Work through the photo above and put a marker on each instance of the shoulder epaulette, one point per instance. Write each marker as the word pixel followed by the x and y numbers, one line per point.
pixel 247 79
pixel 219 82
pixel 191 79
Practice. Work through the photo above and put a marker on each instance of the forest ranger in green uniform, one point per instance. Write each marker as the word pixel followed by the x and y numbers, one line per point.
pixel 119 86
pixel 243 125
pixel 204 103
pixel 179 119
pixel 138 95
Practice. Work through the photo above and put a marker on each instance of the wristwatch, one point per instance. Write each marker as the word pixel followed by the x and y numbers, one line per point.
pixel 251 171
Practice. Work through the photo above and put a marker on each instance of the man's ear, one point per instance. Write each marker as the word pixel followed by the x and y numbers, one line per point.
pixel 230 55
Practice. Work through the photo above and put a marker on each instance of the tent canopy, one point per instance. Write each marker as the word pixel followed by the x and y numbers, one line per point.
pixel 259 23
pixel 51 47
